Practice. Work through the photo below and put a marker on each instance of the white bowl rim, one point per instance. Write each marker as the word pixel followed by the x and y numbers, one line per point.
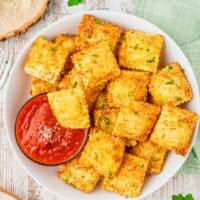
pixel 93 13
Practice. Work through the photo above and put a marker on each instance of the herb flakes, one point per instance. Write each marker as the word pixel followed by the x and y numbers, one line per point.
pixel 74 2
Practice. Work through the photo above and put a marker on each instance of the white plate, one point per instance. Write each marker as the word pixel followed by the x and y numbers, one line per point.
pixel 18 92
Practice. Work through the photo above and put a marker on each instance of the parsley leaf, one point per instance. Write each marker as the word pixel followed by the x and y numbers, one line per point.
pixel 151 60
pixel 105 123
pixel 181 197
pixel 95 55
pixel 99 22
pixel 96 155
pixel 179 99
pixel 153 159
pixel 53 49
pixel 110 174
pixel 170 82
pixel 75 84
pixel 74 2
pixel 6 62
pixel 169 68
pixel 67 176
pixel 130 94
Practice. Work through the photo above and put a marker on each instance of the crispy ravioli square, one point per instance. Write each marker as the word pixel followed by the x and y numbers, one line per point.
pixel 170 86
pixel 140 51
pixel 46 59
pixel 67 42
pixel 70 108
pixel 80 177
pixel 152 152
pixel 103 152
pixel 129 86
pixel 105 119
pixel 174 129
pixel 96 65
pixel 74 80
pixel 39 86
pixel 130 178
pixel 136 122
pixel 93 30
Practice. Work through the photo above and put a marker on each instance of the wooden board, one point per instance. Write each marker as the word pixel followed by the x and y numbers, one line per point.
pixel 17 16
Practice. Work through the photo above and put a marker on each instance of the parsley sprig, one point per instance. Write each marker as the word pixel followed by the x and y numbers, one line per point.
pixel 74 2
pixel 181 197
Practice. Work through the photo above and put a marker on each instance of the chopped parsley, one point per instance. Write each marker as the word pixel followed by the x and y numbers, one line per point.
pixel 110 174
pixel 95 55
pixel 105 122
pixel 75 84
pixel 181 197
pixel 80 65
pixel 142 165
pixel 99 22
pixel 67 176
pixel 53 49
pixel 179 99
pixel 170 82
pixel 96 155
pixel 153 159
pixel 74 2
pixel 6 62
pixel 148 50
pixel 136 46
pixel 130 94
pixel 151 60
pixel 103 106
pixel 169 68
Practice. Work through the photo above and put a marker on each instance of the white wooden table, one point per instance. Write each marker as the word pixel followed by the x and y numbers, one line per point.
pixel 12 175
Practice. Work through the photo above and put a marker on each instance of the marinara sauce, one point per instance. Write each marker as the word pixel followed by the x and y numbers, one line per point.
pixel 40 136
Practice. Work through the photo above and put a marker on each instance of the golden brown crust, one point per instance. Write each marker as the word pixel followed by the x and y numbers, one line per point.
pixel 130 178
pixel 93 30
pixel 77 175
pixel 96 65
pixel 74 80
pixel 39 86
pixel 105 119
pixel 136 122
pixel 49 64
pixel 170 86
pixel 70 108
pixel 174 129
pixel 140 51
pixel 152 152
pixel 103 152
pixel 129 86
pixel 25 26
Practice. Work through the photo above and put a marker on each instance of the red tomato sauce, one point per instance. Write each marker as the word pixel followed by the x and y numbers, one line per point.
pixel 40 136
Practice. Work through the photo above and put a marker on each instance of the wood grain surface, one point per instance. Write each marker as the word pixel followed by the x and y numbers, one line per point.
pixel 12 176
